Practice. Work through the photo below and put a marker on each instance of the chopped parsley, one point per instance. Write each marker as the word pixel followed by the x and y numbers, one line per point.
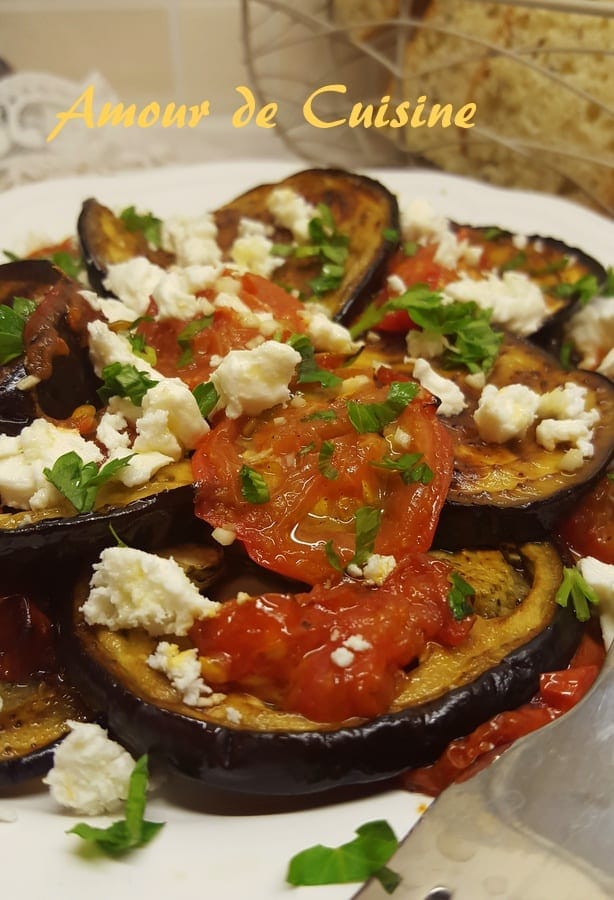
pixel 493 233
pixel 411 467
pixel 576 588
pixel 324 457
pixel 363 857
pixel 148 224
pixel 583 290
pixel 254 488
pixel 79 482
pixel 71 264
pixel 514 262
pixel 372 417
pixel 124 380
pixel 309 371
pixel 608 286
pixel 186 336
pixel 410 248
pixel 367 520
pixel 565 355
pixel 391 234
pixel 12 323
pixel 458 595
pixel 141 349
pixel 324 415
pixel 206 396
pixel 326 244
pixel 131 832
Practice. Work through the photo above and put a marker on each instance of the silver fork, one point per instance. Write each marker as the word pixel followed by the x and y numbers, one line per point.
pixel 538 824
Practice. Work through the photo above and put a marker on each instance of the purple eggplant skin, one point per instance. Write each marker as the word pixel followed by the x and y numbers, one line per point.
pixel 27 278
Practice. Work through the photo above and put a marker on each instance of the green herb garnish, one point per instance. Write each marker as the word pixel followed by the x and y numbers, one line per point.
pixel 333 557
pixel 69 263
pixel 124 380
pixel 391 234
pixel 367 519
pixel 187 334
pixel 325 415
pixel 324 457
pixel 493 233
pixel 583 290
pixel 147 223
pixel 457 597
pixel 306 448
pixel 12 323
pixel 372 417
pixel 565 355
pixel 575 587
pixel 309 371
pixel 359 859
pixel 131 832
pixel 410 248
pixel 206 396
pixel 254 488
pixel 514 262
pixel 411 467
pixel 79 482
pixel 608 285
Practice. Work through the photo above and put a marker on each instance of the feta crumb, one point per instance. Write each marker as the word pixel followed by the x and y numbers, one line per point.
pixel 175 293
pixel 224 536
pixel 564 402
pixel 420 222
pixel 551 432
pixel 90 773
pixel 476 380
pixel 357 643
pixel 591 330
pixel 106 347
pixel 250 381
pixel 252 252
pixel 182 667
pixel 520 241
pixel 606 366
pixel 233 715
pixel 600 576
pixel 378 568
pixel 192 240
pixel 506 413
pixel 134 589
pixel 401 439
pixel 133 282
pixel 171 419
pixel 112 310
pixel 395 284
pixel 342 657
pixel 111 430
pixel 326 335
pixel 292 211
pixel 516 301
pixel 352 385
pixel 452 398
pixel 354 571
pixel 424 344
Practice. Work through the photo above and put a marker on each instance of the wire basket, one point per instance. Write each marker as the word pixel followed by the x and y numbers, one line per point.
pixel 541 75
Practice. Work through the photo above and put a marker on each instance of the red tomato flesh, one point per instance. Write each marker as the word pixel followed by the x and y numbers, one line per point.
pixel 281 647
pixel 589 530
pixel 26 647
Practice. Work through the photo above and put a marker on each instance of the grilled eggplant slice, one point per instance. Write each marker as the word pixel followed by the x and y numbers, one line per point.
pixel 271 752
pixel 105 240
pixel 144 516
pixel 362 209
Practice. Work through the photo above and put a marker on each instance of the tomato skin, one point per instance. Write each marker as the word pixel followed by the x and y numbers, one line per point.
pixel 26 646
pixel 589 529
pixel 227 331
pixel 279 646
pixel 420 268
pixel 306 509
pixel 558 692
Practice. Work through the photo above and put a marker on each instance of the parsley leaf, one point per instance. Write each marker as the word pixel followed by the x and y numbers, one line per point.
pixel 391 234
pixel 12 323
pixel 254 488
pixel 409 466
pixel 333 557
pixel 457 597
pixel 131 832
pixel 514 262
pixel 325 415
pixel 185 336
pixel 368 519
pixel 410 248
pixel 565 355
pixel 71 264
pixel 79 482
pixel 308 370
pixel 493 233
pixel 576 587
pixel 124 380
pixel 142 349
pixel 583 290
pixel 331 246
pixel 324 457
pixel 147 223
pixel 608 286
pixel 206 396
pixel 372 417
pixel 365 856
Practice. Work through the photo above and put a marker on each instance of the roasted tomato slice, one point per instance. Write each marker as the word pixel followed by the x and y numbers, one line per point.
pixel 420 268
pixel 231 327
pixel 316 470
pixel 26 646
pixel 589 530
pixel 335 652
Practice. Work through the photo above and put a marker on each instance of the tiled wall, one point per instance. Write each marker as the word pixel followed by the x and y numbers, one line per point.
pixel 187 51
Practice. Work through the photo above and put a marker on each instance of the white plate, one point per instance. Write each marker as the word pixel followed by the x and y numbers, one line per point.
pixel 211 845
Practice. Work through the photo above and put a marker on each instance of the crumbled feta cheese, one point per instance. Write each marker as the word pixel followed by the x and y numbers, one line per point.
pixel 352 385
pixel 91 773
pixel 111 431
pixel 233 715
pixel 192 240
pixel 112 310
pixel 290 210
pixel 342 657
pixel 395 284
pixel 506 413
pixel 592 332
pixel 567 420
pixel 326 335
pixel 24 457
pixel 175 293
pixel 133 282
pixel 106 347
pixel 606 366
pixel 357 643
pixel 451 251
pixel 476 380
pixel 141 467
pixel 401 439
pixel 378 568
pixel 420 222
pixel 183 671
pixel 452 398
pixel 520 241
pixel 171 421
pixel 424 344
pixel 564 402
pixel 250 381
pixel 516 302
pixel 252 252
pixel 600 576
pixel 551 432
pixel 354 570
pixel 572 460
pixel 134 589
pixel 224 536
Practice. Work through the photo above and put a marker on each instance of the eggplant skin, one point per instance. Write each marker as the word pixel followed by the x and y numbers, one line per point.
pixel 285 761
